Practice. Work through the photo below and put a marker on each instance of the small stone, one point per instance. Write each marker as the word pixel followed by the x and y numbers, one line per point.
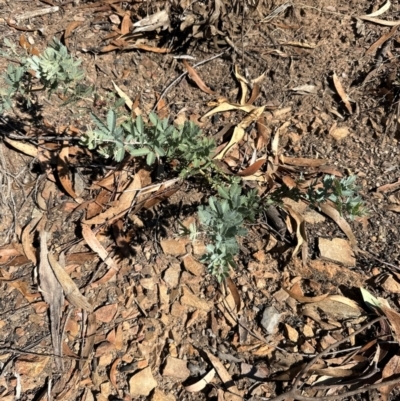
pixel 390 285
pixel 313 217
pixel 192 300
pixel 339 133
pixel 142 383
pixel 115 19
pixel 260 256
pixel 106 359
pixel 31 365
pixel 270 319
pixel 102 348
pixel 338 250
pixel 174 247
pixel 294 138
pixel 291 333
pixel 172 274
pixel 158 395
pixel 176 368
pixel 307 348
pixel 193 266
pixel 147 283
pixel 261 283
pixel 178 310
pixel 308 331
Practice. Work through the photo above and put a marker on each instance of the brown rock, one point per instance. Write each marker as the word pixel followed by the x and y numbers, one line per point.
pixel 331 273
pixel 31 365
pixel 313 217
pixel 192 300
pixel 338 250
pixel 260 256
pixel 142 383
pixel 193 266
pixel 178 310
pixel 176 368
pixel 339 133
pixel 174 247
pixel 291 333
pixel 391 285
pixel 106 313
pixel 172 274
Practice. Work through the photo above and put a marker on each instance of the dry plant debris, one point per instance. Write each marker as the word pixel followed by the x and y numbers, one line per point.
pixel 229 259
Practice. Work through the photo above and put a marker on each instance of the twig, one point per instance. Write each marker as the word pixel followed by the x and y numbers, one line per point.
pixel 293 392
pixel 37 13
pixel 176 80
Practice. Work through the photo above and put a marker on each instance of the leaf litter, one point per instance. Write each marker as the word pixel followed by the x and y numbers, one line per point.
pixel 148 301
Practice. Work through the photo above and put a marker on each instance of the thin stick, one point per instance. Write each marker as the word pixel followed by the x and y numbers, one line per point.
pixel 37 13
pixel 176 80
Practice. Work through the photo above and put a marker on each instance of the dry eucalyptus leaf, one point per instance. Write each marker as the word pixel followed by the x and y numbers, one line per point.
pixel 71 290
pixel 342 93
pixel 53 294
pixel 153 22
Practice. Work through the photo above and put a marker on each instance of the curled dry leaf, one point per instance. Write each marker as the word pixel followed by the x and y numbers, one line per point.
pixel 391 368
pixel 389 187
pixel 126 24
pixel 252 169
pixel 303 299
pixel 71 290
pixel 25 148
pixel 95 246
pixel 239 130
pixel 232 393
pixel 300 233
pixel 123 95
pixel 153 22
pixel 334 214
pixel 342 93
pixel 380 21
pixel 380 11
pixel 228 106
pixel 124 202
pixel 53 295
pixel 200 384
pixel 113 373
pixel 196 78
pixel 384 38
pixel 243 85
pixel 69 29
pixel 64 173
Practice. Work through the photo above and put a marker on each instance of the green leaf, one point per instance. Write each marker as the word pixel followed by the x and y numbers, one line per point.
pixel 151 158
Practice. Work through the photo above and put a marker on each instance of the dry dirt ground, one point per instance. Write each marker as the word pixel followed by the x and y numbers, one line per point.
pixel 162 328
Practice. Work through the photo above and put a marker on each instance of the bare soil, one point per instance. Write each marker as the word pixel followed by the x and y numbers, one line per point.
pixel 162 312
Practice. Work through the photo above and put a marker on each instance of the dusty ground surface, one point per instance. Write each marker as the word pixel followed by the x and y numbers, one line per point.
pixel 161 323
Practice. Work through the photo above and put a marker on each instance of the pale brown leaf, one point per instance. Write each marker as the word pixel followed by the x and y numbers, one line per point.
pixel 200 384
pixel 232 393
pixel 196 78
pixel 71 290
pixel 53 295
pixel 342 93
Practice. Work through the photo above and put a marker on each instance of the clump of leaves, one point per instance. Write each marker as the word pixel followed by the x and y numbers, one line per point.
pixel 55 66
pixel 156 140
pixel 53 69
pixel 223 221
pixel 343 193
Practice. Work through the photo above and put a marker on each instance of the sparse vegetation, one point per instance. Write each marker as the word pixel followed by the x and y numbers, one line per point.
pixel 225 216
